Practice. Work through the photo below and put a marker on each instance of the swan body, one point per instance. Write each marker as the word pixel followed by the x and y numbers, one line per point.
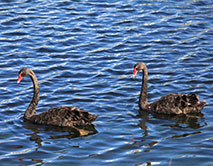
pixel 63 116
pixel 170 104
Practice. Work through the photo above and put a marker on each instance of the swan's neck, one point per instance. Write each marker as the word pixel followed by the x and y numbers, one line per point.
pixel 143 103
pixel 31 110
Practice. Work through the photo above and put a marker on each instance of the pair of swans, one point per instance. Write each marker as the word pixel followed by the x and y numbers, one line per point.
pixel 65 116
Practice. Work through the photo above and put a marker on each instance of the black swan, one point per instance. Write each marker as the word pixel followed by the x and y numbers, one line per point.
pixel 58 116
pixel 170 104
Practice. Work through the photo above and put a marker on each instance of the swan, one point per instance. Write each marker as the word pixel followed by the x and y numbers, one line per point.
pixel 63 116
pixel 170 104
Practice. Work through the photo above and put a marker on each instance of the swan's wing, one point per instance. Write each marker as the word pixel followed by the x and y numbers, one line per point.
pixel 64 116
pixel 177 104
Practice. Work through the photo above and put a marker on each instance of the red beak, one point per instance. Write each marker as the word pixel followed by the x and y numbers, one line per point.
pixel 134 72
pixel 19 78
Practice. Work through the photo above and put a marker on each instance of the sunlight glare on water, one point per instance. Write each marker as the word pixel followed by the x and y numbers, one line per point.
pixel 83 53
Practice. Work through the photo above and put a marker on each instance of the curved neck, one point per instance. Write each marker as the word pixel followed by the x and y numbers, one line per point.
pixel 143 95
pixel 31 110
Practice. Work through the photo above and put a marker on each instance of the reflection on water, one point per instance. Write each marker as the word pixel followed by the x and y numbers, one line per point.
pixel 58 132
pixel 175 122
pixel 83 53
pixel 54 133
pixel 181 121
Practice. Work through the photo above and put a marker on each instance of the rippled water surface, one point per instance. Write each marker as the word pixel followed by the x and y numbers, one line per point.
pixel 83 53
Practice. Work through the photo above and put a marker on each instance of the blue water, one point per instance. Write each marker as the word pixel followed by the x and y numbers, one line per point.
pixel 83 53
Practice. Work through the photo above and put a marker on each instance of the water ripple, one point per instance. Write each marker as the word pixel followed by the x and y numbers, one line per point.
pixel 83 53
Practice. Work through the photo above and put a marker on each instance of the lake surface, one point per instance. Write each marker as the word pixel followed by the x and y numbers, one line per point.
pixel 83 53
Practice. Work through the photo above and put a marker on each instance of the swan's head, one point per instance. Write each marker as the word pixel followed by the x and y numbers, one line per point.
pixel 140 66
pixel 22 73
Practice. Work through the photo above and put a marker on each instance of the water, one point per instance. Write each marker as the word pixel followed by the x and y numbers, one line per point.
pixel 83 53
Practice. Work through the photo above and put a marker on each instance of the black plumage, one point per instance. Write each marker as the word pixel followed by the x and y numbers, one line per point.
pixel 63 116
pixel 170 104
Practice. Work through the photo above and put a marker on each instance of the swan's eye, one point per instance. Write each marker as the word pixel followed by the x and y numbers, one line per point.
pixel 22 74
